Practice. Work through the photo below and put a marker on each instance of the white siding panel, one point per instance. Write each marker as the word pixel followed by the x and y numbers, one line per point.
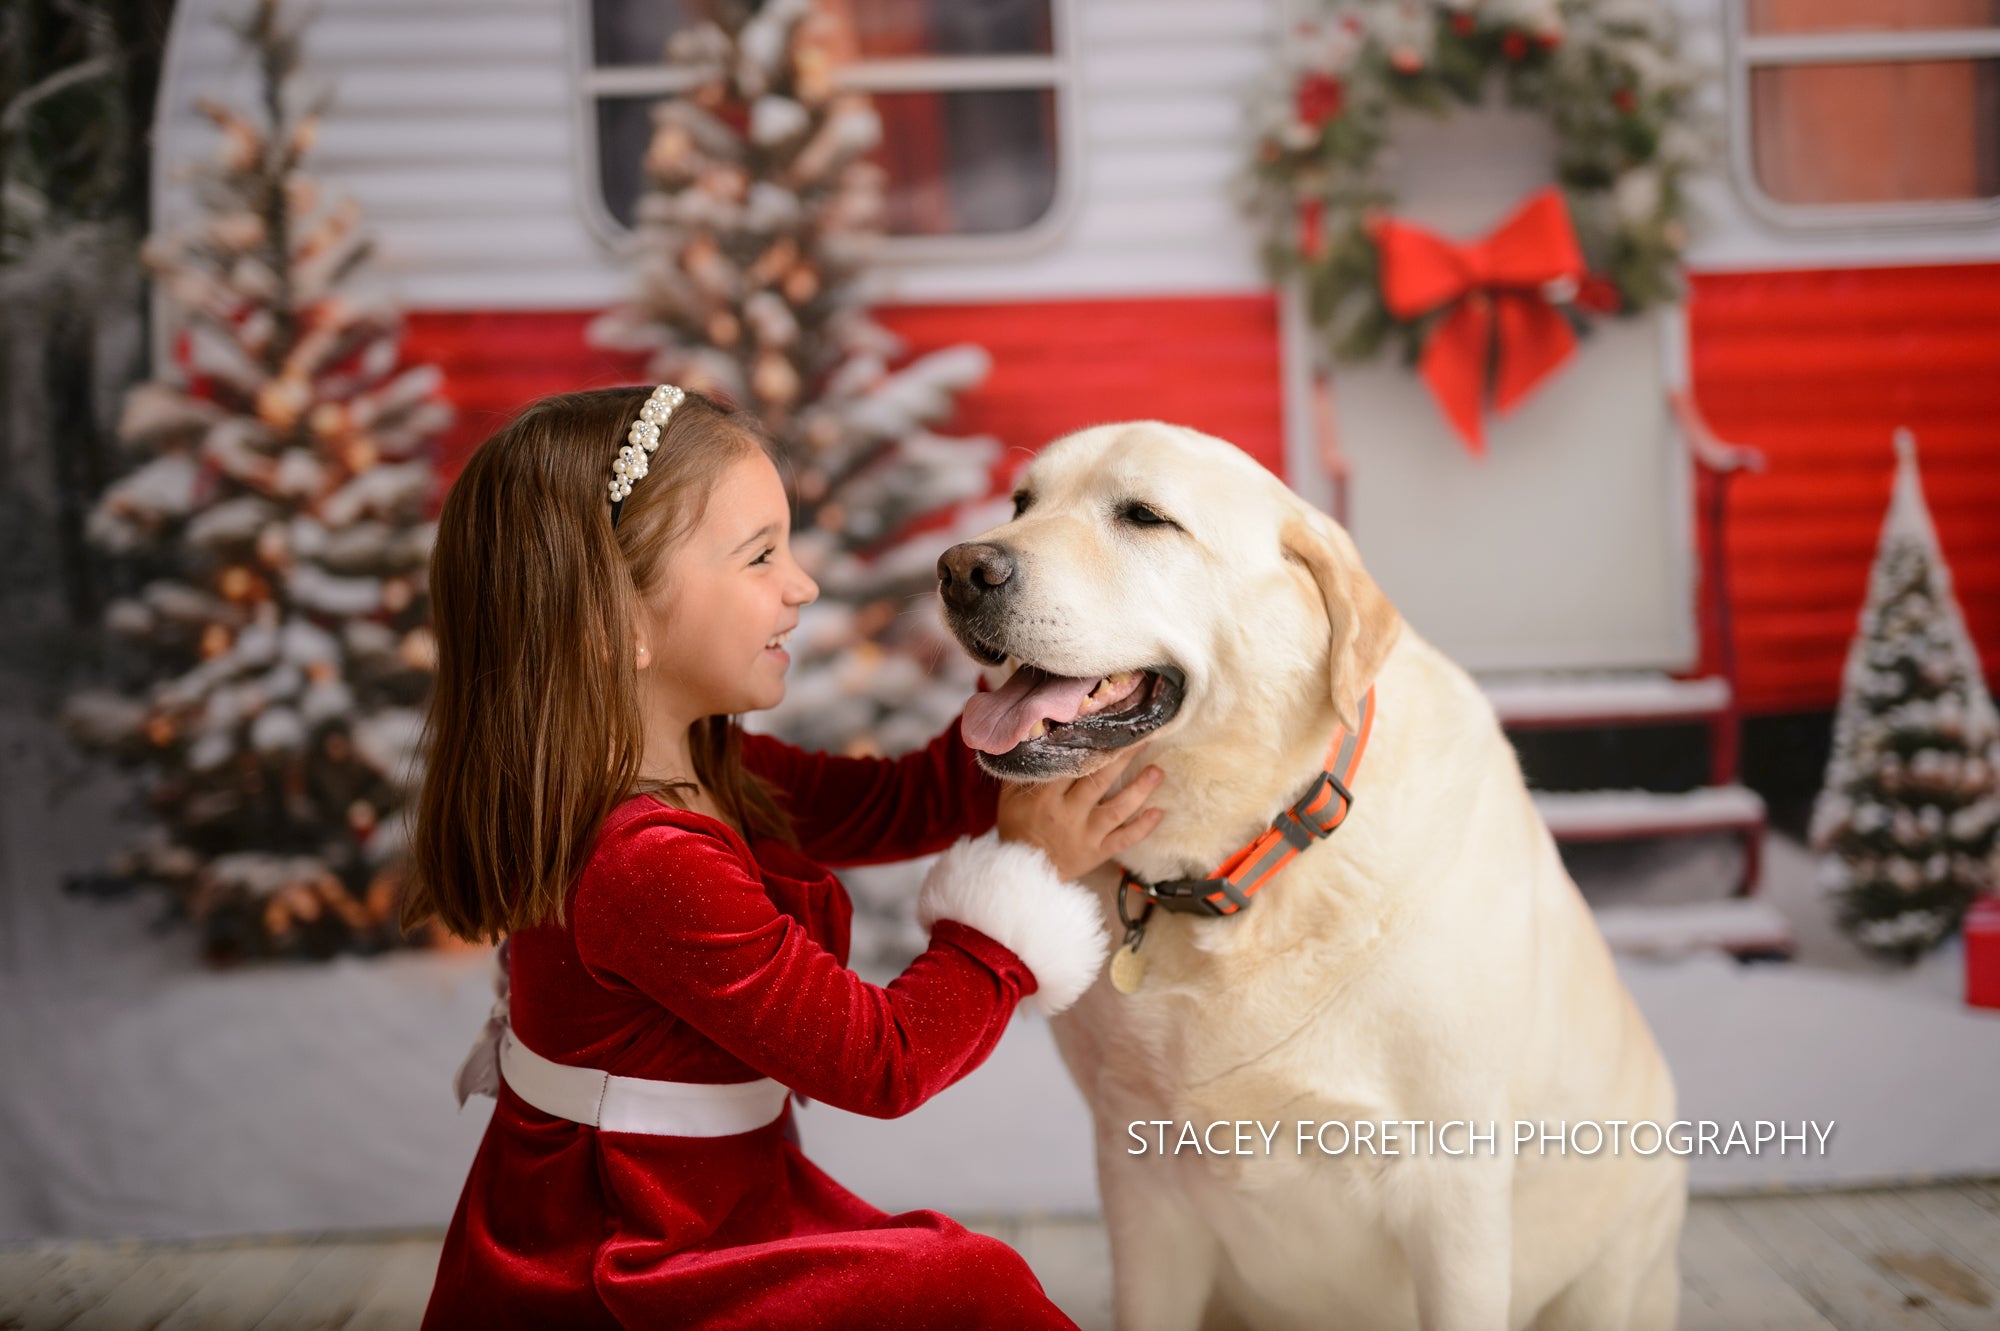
pixel 1194 68
pixel 412 92
pixel 350 36
pixel 398 10
pixel 1127 23
pixel 447 191
pixel 1140 221
pixel 475 100
pixel 455 125
pixel 505 239
pixel 531 286
pixel 1158 171
pixel 350 146
pixel 1117 124
pixel 365 38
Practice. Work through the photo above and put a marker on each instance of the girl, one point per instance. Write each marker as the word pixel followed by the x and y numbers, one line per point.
pixel 611 586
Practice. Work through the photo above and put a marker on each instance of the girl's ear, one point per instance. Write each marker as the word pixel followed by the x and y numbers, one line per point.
pixel 642 648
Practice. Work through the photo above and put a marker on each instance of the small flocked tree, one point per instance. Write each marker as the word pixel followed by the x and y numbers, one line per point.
pixel 1911 805
pixel 273 652
pixel 760 212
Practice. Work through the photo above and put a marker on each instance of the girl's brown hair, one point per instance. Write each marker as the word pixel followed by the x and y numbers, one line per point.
pixel 534 731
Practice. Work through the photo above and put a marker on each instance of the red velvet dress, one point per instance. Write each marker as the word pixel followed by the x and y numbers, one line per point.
pixel 688 955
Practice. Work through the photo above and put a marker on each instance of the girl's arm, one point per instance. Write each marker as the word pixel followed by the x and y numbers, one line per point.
pixel 676 912
pixel 850 810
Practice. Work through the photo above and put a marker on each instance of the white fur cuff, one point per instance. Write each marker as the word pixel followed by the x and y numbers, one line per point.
pixel 1009 891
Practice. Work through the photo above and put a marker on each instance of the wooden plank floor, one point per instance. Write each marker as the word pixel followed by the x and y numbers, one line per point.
pixel 1916 1258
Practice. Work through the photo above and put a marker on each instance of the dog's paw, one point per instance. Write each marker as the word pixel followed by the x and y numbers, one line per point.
pixel 1010 891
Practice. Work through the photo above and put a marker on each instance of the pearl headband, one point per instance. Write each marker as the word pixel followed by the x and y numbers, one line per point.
pixel 640 443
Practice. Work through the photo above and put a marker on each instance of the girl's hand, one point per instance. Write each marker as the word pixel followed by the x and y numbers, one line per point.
pixel 1073 822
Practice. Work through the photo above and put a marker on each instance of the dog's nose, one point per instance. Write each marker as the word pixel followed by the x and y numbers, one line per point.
pixel 970 570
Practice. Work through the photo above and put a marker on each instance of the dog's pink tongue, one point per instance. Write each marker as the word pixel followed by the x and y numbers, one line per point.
pixel 995 722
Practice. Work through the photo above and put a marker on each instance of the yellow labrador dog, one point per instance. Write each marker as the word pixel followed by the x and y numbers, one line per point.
pixel 1428 964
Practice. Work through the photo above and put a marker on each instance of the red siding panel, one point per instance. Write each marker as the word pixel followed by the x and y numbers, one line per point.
pixel 496 362
pixel 1817 369
pixel 1207 361
pixel 1211 362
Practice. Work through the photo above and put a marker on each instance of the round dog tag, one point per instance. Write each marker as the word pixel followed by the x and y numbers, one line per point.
pixel 1128 969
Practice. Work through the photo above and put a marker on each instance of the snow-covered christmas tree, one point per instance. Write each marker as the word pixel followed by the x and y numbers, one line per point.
pixel 760 213
pixel 1911 806
pixel 272 656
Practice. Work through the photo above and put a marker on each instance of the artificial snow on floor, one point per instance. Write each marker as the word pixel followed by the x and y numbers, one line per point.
pixel 146 1095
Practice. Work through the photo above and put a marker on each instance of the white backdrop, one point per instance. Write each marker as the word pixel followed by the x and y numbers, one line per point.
pixel 143 1095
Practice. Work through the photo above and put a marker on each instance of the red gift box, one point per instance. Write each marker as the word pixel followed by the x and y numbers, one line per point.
pixel 1982 953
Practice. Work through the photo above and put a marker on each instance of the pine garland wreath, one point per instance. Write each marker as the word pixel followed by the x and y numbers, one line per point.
pixel 275 649
pixel 1910 811
pixel 1605 72
pixel 760 215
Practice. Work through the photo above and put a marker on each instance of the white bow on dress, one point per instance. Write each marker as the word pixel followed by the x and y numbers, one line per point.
pixel 480 1072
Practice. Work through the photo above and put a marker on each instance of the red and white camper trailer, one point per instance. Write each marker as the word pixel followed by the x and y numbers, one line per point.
pixel 1066 172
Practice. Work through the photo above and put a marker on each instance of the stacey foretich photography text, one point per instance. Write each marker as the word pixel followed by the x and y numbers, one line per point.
pixel 1586 1137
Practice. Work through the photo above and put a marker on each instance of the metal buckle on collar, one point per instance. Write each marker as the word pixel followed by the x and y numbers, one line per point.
pixel 1126 881
pixel 1194 896
pixel 1301 831
pixel 1184 896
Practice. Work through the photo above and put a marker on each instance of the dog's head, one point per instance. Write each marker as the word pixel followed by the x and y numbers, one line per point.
pixel 1154 581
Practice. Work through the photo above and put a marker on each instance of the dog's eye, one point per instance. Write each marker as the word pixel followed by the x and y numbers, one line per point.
pixel 1146 517
pixel 1020 502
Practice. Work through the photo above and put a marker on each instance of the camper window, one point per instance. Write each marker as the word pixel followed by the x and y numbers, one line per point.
pixel 969 92
pixel 1857 111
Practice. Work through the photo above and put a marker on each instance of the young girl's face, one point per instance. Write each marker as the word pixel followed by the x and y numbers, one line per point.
pixel 732 588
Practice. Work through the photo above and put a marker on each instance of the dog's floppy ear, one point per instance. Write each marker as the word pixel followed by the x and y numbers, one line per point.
pixel 1363 622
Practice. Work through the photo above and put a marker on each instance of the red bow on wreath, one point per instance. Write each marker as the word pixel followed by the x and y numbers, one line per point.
pixel 1507 277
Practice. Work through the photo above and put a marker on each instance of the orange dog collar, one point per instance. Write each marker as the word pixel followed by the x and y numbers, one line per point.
pixel 1314 815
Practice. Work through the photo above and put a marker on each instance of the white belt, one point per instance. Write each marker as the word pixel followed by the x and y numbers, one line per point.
pixel 604 1101
pixel 638 1104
